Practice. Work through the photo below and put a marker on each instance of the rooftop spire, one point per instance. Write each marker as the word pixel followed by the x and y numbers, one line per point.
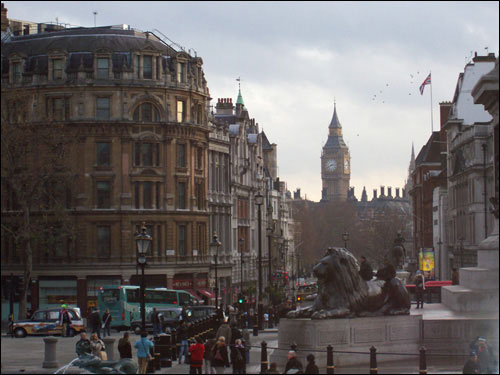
pixel 240 98
pixel 335 123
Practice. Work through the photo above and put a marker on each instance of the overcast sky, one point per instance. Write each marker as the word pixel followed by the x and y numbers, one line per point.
pixel 295 58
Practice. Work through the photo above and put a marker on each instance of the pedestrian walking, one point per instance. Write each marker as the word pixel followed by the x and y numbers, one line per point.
pixel 238 357
pixel 65 322
pixel 293 363
pixel 97 347
pixel 83 345
pixel 156 320
pixel 106 325
pixel 143 346
pixel 220 358
pixel 182 336
pixel 196 351
pixel 311 367
pixel 124 346
pixel 95 322
pixel 419 288
pixel 485 357
pixel 209 346
pixel 247 341
pixel 235 333
pixel 225 331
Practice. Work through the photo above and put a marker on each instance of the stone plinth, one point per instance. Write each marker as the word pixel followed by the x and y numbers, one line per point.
pixel 401 334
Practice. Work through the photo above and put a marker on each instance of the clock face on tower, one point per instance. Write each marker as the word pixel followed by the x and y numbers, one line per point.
pixel 346 165
pixel 331 165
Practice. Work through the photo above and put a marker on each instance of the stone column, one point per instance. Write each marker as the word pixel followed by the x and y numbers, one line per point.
pixel 110 347
pixel 50 353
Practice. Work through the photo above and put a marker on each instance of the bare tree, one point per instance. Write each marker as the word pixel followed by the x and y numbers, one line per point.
pixel 36 185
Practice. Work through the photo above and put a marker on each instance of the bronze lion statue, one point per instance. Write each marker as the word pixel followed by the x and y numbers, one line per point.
pixel 342 292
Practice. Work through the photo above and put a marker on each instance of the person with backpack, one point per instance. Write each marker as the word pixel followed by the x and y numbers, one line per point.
pixel 65 322
pixel 220 358
pixel 238 357
pixel 106 325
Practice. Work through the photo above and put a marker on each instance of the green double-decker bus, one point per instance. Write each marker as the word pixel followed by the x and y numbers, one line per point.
pixel 124 301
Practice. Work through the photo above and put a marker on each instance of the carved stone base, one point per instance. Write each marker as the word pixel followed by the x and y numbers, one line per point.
pixel 401 334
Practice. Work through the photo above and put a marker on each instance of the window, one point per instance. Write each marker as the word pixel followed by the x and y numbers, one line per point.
pixel 103 194
pixel 58 108
pixel 57 69
pixel 146 112
pixel 102 68
pixel 158 67
pixel 102 108
pixel 138 65
pixel 103 241
pixel 181 194
pixel 182 241
pixel 147 67
pixel 180 111
pixel 146 154
pixel 147 191
pixel 180 72
pixel 181 155
pixel 16 72
pixel 103 154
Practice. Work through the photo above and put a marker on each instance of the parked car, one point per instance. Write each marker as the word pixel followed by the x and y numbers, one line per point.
pixel 170 320
pixel 200 312
pixel 47 322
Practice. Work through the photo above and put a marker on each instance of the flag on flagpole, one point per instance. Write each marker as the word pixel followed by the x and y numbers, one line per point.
pixel 427 81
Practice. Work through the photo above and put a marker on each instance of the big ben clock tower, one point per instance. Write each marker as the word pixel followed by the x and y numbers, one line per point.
pixel 335 163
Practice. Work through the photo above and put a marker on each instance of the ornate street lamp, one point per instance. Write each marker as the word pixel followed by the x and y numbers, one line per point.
pixel 345 237
pixel 143 242
pixel 259 201
pixel 214 247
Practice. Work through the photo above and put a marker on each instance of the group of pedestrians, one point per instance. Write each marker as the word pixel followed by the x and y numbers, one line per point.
pixel 96 323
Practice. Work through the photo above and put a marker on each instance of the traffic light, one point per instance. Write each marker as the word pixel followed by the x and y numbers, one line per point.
pixel 299 298
pixel 240 298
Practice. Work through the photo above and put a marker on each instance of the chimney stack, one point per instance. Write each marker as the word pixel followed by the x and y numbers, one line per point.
pixel 374 193
pixel 397 192
pixel 382 191
pixel 5 20
pixel 224 106
pixel 389 191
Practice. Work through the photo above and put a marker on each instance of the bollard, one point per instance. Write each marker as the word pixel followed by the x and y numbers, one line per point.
pixel 373 361
pixel 109 343
pixel 255 330
pixel 263 357
pixel 330 367
pixel 423 362
pixel 50 360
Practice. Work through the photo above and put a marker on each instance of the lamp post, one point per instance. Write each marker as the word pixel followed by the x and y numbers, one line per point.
pixel 214 247
pixel 259 201
pixel 143 242
pixel 241 242
pixel 345 237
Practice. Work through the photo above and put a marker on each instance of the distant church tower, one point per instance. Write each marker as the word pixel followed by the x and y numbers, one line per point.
pixel 335 163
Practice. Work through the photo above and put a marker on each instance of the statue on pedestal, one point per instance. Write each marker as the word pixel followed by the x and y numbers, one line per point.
pixel 397 254
pixel 343 293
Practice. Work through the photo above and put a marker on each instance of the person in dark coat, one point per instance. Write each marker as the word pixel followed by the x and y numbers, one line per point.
pixel 220 358
pixel 235 333
pixel 155 319
pixel 107 319
pixel 311 367
pixel 209 345
pixel 124 346
pixel 238 357
pixel 293 362
pixel 95 323
pixel 83 345
pixel 472 365
pixel 365 269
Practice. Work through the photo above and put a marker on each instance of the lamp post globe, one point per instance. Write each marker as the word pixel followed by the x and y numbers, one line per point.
pixel 143 242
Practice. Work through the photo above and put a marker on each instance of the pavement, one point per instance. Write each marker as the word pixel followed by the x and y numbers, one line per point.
pixel 26 355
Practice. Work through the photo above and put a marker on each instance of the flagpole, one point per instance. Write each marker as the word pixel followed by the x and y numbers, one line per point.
pixel 432 120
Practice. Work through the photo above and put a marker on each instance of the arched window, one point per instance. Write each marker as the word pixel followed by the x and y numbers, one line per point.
pixel 146 112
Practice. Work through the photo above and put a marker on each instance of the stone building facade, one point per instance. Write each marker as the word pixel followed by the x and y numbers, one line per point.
pixel 140 107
